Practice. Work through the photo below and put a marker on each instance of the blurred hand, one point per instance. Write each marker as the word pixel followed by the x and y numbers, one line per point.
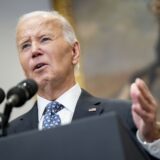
pixel 144 110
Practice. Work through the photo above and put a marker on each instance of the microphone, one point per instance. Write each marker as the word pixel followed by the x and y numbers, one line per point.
pixel 2 95
pixel 22 92
pixel 16 97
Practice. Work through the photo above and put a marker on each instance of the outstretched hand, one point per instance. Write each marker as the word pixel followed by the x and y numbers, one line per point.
pixel 144 110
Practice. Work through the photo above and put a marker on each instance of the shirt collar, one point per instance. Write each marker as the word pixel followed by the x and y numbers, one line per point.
pixel 68 99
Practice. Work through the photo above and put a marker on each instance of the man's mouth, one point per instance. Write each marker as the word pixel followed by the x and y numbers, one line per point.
pixel 39 66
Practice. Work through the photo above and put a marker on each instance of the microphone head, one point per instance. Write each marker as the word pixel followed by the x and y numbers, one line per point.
pixel 19 94
pixel 2 95
pixel 16 97
pixel 29 86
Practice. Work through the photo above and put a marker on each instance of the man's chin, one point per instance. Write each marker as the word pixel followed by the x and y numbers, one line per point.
pixel 37 80
pixel 41 82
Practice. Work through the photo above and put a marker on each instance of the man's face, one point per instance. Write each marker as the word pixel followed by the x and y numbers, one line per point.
pixel 44 53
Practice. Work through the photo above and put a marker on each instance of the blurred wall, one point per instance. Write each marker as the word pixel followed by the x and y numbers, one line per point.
pixel 117 39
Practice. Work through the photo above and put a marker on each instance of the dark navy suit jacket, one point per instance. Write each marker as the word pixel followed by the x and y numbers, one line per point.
pixel 87 106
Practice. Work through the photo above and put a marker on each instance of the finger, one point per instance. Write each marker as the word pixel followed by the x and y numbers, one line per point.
pixel 145 105
pixel 145 116
pixel 145 91
pixel 138 98
pixel 134 93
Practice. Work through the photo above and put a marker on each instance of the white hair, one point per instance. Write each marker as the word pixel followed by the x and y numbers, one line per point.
pixel 68 31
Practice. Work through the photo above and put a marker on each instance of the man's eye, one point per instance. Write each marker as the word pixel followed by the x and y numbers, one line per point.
pixel 44 39
pixel 25 46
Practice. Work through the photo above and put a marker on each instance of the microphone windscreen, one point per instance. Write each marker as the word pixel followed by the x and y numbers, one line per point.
pixel 22 92
pixel 30 86
pixel 2 95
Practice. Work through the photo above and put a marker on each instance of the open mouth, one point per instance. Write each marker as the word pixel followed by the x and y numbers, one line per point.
pixel 39 66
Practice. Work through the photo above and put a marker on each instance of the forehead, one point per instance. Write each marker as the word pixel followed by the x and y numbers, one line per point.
pixel 37 25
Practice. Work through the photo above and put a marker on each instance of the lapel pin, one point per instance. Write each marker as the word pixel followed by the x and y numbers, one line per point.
pixel 92 109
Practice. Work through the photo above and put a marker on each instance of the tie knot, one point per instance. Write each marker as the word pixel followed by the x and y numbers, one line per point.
pixel 54 107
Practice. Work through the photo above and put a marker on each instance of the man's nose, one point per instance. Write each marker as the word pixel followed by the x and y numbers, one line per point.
pixel 35 49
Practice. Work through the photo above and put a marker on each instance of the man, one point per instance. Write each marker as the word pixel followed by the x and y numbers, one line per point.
pixel 48 52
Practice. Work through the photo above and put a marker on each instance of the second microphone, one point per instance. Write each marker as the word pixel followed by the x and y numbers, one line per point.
pixel 19 94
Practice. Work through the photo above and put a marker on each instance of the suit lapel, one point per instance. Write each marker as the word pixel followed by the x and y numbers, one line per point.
pixel 30 120
pixel 87 105
pixel 34 119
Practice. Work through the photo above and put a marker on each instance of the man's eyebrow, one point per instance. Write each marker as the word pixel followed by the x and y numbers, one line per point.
pixel 44 34
pixel 23 41
pixel 47 34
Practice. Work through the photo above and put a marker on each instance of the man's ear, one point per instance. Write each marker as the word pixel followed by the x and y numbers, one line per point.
pixel 75 53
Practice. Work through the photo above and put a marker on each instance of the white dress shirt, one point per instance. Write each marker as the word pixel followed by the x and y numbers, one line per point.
pixel 68 100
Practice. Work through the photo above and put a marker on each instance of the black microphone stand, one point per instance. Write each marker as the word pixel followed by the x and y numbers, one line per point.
pixel 1 119
pixel 5 119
